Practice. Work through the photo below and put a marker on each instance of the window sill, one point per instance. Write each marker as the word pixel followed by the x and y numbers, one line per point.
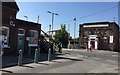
pixel 6 46
pixel 33 45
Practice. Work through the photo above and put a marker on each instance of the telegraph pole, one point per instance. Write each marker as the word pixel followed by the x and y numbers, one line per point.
pixel 38 19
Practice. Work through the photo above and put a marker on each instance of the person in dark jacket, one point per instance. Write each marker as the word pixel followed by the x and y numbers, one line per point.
pixel 60 48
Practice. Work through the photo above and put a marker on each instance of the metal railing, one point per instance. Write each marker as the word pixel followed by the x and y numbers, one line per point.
pixel 51 40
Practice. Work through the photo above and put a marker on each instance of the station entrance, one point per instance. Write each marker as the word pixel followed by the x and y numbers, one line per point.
pixel 93 41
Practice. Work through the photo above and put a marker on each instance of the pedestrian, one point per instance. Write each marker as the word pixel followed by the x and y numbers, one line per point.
pixel 2 47
pixel 87 47
pixel 60 48
pixel 52 47
pixel 91 47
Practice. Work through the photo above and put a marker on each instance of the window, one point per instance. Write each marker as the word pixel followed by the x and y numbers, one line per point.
pixel 21 31
pixel 93 32
pixel 85 33
pixel 105 32
pixel 33 39
pixel 5 35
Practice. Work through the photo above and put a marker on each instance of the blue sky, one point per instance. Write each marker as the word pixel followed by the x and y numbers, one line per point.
pixel 106 11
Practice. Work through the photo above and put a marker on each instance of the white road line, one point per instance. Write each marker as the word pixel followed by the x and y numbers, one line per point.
pixel 105 60
pixel 110 61
pixel 114 55
pixel 79 55
pixel 96 58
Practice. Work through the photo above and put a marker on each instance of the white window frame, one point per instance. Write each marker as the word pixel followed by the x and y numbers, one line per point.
pixel 2 37
pixel 34 45
pixel 22 30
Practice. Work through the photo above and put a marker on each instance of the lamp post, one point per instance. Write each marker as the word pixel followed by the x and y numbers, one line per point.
pixel 50 50
pixel 74 29
pixel 68 36
pixel 52 19
pixel 49 29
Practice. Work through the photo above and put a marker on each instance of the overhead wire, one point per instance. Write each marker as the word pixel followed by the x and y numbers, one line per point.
pixel 98 12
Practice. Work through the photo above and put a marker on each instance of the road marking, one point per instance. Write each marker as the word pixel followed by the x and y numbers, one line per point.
pixel 105 60
pixel 96 58
pixel 110 61
pixel 78 55
pixel 115 55
pixel 81 55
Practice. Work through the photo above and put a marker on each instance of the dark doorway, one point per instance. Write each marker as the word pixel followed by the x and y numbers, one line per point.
pixel 93 44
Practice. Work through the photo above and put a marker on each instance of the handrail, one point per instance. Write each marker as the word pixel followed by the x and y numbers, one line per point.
pixel 48 36
pixel 52 40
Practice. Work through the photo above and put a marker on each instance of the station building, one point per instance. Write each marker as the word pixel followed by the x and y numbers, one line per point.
pixel 101 35
pixel 17 34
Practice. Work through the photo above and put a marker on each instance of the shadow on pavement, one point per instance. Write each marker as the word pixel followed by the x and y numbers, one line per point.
pixel 12 60
pixel 56 61
pixel 43 63
pixel 69 59
pixel 27 66
pixel 6 71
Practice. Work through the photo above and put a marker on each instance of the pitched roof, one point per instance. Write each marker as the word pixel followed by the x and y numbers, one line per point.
pixel 12 5
pixel 19 21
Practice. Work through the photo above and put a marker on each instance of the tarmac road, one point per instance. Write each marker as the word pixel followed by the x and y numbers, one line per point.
pixel 97 55
pixel 73 61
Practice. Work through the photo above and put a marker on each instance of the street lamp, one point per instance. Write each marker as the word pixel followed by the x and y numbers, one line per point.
pixel 49 29
pixel 52 19
pixel 74 29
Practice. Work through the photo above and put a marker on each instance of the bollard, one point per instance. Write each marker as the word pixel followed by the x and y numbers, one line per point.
pixel 29 51
pixel 20 58
pixel 49 54
pixel 39 54
pixel 36 56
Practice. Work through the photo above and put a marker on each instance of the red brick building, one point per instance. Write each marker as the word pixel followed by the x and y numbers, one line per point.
pixel 101 35
pixel 17 34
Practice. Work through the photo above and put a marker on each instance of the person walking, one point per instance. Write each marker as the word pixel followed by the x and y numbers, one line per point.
pixel 60 48
pixel 2 49
pixel 87 47
pixel 91 47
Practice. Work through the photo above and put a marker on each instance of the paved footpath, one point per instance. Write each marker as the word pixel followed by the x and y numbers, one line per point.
pixel 64 63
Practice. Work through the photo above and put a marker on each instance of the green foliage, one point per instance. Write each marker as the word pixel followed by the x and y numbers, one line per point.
pixel 76 40
pixel 62 36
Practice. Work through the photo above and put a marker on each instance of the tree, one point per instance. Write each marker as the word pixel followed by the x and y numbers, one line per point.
pixel 62 36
